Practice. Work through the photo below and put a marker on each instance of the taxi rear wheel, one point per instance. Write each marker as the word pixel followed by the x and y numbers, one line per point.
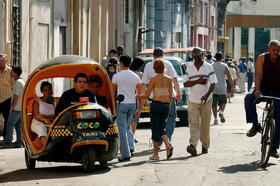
pixel 103 164
pixel 30 163
pixel 88 159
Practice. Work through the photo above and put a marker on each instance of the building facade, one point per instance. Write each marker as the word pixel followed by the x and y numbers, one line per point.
pixel 204 24
pixel 167 24
pixel 32 31
pixel 250 14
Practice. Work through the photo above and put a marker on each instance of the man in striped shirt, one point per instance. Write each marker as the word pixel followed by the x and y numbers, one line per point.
pixel 201 79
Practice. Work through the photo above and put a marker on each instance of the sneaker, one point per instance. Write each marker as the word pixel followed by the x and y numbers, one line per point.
pixel 7 145
pixel 274 153
pixel 222 117
pixel 135 140
pixel 204 150
pixel 192 150
pixel 17 145
pixel 215 122
pixel 253 130
pixel 132 152
pixel 123 159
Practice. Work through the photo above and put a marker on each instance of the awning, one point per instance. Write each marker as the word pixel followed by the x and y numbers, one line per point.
pixel 169 50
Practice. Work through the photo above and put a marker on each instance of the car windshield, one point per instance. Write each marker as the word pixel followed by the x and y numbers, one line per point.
pixel 174 63
pixel 176 66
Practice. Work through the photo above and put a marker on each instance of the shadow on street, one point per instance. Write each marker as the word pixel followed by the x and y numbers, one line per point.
pixel 247 167
pixel 49 173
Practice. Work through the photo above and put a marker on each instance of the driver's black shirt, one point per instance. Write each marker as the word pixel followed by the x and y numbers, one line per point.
pixel 71 96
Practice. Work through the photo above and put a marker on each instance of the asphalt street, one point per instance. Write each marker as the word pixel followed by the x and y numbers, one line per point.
pixel 233 159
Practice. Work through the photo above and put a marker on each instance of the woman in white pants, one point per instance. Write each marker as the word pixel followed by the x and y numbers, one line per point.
pixel 43 111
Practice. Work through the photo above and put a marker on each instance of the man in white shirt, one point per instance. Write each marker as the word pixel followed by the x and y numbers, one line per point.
pixel 128 84
pixel 201 79
pixel 169 71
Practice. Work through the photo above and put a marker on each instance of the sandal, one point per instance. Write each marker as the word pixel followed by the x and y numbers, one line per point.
pixel 154 157
pixel 169 151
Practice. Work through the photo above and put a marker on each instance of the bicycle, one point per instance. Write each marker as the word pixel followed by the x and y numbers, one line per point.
pixel 267 128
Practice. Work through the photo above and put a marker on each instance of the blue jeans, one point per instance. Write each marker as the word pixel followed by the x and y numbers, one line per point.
pixel 14 121
pixel 252 116
pixel 125 114
pixel 171 120
pixel 250 80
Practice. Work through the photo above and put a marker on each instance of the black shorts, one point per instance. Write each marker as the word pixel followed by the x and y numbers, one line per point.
pixel 218 100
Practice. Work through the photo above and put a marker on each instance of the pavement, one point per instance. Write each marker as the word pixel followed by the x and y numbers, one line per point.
pixel 233 159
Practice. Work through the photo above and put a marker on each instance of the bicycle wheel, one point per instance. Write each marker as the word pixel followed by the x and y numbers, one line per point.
pixel 266 141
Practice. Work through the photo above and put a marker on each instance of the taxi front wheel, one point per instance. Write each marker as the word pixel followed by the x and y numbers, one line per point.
pixel 30 163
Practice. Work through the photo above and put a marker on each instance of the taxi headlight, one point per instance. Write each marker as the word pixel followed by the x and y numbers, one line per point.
pixel 87 114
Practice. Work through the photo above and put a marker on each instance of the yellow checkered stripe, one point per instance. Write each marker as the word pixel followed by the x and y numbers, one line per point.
pixel 60 132
pixel 112 130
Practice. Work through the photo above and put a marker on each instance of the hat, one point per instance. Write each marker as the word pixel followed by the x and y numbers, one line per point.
pixel 158 52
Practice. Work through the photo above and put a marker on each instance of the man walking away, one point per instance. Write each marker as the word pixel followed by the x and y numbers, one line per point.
pixel 220 92
pixel 201 79
pixel 209 59
pixel 105 60
pixel 128 84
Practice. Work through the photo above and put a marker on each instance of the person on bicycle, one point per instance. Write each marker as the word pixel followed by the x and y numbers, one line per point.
pixel 267 75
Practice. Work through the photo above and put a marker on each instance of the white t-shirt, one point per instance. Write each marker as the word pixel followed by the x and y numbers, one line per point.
pixel 18 91
pixel 149 73
pixel 198 91
pixel 250 65
pixel 126 82
pixel 46 108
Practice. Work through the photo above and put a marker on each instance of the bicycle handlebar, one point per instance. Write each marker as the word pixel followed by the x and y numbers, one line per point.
pixel 263 98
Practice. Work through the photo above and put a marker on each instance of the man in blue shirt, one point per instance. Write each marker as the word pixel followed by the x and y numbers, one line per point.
pixel 242 74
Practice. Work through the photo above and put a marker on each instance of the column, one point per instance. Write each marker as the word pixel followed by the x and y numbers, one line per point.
pixel 112 24
pixel 237 43
pixel 150 17
pixel 104 28
pixel 251 42
pixel 273 33
pixel 230 42
pixel 95 30
pixel 160 25
pixel 76 19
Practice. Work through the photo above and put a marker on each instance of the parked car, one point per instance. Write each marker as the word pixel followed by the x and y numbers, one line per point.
pixel 182 108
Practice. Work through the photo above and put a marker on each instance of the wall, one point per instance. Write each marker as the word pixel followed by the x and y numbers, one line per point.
pixel 2 27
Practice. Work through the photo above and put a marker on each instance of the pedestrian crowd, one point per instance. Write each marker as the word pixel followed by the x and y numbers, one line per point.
pixel 212 82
